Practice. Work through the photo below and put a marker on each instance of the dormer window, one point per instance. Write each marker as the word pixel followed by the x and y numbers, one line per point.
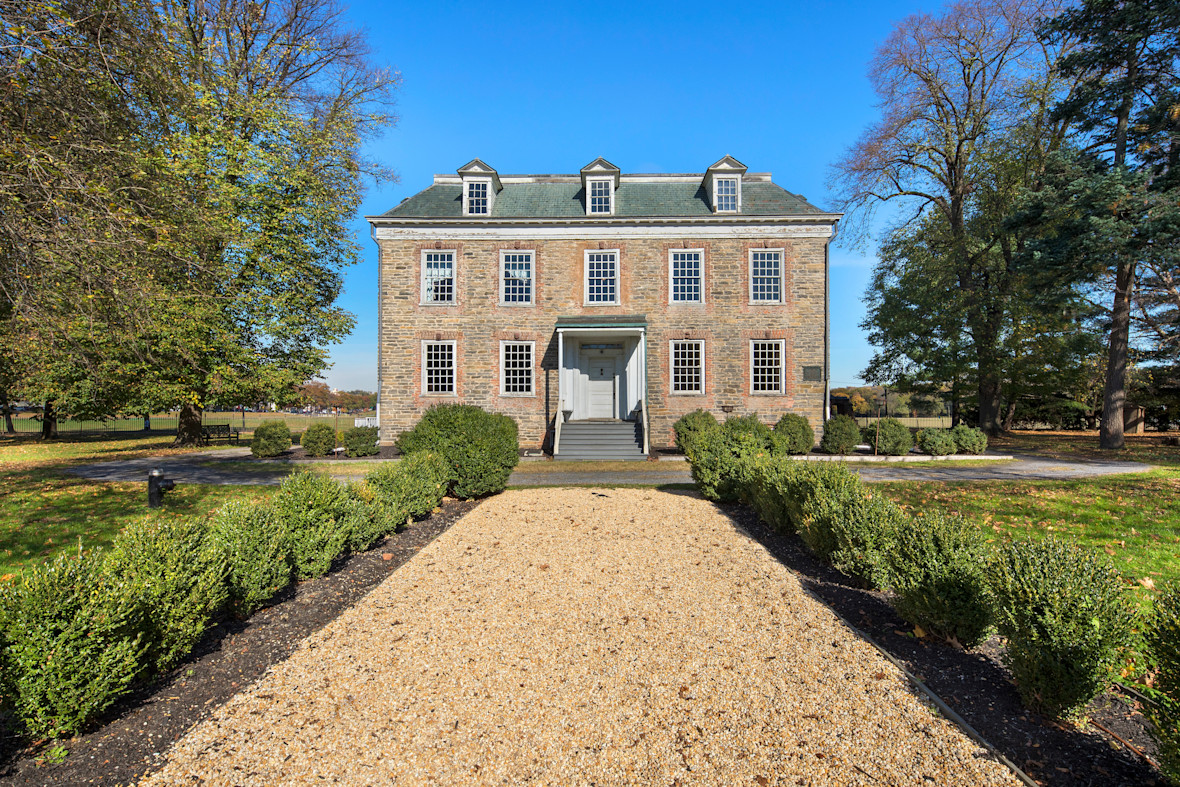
pixel 477 198
pixel 723 181
pixel 600 181
pixel 727 195
pixel 480 186
pixel 601 197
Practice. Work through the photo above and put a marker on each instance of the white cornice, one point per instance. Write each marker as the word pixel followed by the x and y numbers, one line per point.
pixel 813 226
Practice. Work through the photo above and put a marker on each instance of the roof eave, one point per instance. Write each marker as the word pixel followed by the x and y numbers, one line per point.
pixel 797 218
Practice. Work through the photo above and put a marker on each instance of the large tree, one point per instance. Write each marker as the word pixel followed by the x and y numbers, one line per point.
pixel 965 125
pixel 181 175
pixel 1117 210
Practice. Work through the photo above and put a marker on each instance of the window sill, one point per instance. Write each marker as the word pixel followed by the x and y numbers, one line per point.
pixel 686 393
pixel 517 304
pixel 766 303
pixel 518 396
pixel 443 304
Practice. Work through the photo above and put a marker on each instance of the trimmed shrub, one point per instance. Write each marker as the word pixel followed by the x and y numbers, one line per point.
pixel 412 487
pixel 841 435
pixel 794 435
pixel 75 643
pixel 937 567
pixel 316 512
pixel 369 521
pixel 181 577
pixel 1164 638
pixel 690 426
pixel 769 492
pixel 1065 614
pixel 360 440
pixel 844 524
pixel 271 438
pixel 969 440
pixel 319 439
pixel 936 442
pixel 723 458
pixel 479 447
pixel 296 438
pixel 257 549
pixel 890 437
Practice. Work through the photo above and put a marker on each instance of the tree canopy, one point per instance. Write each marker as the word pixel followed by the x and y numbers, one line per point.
pixel 178 178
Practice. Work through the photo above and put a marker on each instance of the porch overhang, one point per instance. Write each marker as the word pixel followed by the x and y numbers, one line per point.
pixel 580 329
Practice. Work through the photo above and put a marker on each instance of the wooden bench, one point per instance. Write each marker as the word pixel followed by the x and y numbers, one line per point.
pixel 219 432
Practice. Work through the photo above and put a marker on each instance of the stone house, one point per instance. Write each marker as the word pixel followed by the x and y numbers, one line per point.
pixel 598 308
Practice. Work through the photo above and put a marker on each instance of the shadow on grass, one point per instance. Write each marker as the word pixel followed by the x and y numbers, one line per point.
pixel 46 512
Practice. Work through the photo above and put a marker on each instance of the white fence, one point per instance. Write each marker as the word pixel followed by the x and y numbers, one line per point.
pixel 367 421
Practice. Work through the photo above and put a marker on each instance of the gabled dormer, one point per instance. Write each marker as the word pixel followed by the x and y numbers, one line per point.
pixel 723 182
pixel 600 180
pixel 481 184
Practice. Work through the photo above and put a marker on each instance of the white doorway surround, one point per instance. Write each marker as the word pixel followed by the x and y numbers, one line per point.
pixel 603 372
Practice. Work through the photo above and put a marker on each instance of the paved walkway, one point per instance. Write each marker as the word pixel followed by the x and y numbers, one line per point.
pixel 579 637
pixel 218 467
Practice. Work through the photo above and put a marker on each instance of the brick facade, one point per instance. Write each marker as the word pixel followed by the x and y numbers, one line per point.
pixel 727 322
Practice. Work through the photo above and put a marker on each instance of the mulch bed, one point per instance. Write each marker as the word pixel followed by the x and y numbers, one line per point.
pixel 231 656
pixel 977 686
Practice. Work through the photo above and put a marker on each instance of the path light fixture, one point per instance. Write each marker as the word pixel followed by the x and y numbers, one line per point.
pixel 157 486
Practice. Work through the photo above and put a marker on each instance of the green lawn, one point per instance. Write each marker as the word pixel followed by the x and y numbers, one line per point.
pixel 44 510
pixel 1133 518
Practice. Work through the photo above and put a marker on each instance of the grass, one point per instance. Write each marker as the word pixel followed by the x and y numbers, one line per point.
pixel 1148 448
pixel 43 510
pixel 1135 519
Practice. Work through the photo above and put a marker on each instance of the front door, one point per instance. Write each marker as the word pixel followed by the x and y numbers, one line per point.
pixel 600 387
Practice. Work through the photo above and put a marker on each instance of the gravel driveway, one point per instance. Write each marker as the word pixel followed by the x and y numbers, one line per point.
pixel 581 636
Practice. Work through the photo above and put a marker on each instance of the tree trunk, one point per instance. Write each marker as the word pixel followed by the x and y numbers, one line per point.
pixel 48 421
pixel 1114 397
pixel 1010 416
pixel 8 425
pixel 188 426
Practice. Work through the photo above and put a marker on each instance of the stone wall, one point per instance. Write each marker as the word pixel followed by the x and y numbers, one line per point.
pixel 477 322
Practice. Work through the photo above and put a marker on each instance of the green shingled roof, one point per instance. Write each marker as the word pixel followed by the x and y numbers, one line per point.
pixel 565 200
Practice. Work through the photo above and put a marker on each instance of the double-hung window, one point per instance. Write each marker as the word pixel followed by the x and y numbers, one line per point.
pixel 438 368
pixel 726 195
pixel 602 277
pixel 438 277
pixel 766 276
pixel 688 367
pixel 766 366
pixel 477 198
pixel 516 368
pixel 600 197
pixel 516 278
pixel 685 276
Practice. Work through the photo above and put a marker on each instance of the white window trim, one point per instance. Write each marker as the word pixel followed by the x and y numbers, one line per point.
pixel 532 301
pixel 454 368
pixel 782 366
pixel 725 176
pixel 610 190
pixel 782 278
pixel 467 197
pixel 672 367
pixel 532 370
pixel 586 278
pixel 454 301
pixel 671 300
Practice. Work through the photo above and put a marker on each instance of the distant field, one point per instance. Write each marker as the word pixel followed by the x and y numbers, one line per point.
pixel 165 422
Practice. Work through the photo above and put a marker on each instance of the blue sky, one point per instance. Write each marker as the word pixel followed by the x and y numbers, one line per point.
pixel 653 87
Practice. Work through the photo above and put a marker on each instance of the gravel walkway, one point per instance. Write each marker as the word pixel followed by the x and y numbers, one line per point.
pixel 581 636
